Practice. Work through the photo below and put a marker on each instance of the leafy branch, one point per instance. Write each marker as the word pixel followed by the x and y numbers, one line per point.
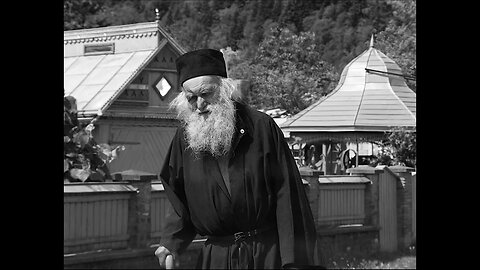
pixel 399 148
pixel 84 158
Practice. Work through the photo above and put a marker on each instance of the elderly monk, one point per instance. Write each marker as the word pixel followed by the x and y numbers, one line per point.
pixel 231 177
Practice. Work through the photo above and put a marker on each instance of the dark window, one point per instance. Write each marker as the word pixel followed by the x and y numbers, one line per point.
pixel 99 49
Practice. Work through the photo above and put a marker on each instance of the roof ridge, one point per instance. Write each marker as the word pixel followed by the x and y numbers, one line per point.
pixel 126 30
pixel 371 49
pixel 112 29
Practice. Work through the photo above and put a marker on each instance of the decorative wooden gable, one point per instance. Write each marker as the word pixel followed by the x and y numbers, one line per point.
pixel 163 73
pixel 154 86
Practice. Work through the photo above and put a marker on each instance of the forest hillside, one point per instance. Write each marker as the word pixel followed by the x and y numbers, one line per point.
pixel 290 51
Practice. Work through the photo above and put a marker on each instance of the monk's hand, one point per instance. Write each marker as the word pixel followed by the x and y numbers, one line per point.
pixel 165 257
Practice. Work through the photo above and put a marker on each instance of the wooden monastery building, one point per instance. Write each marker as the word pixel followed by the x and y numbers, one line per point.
pixel 126 75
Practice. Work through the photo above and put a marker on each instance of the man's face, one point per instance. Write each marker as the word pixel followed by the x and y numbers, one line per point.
pixel 202 92
pixel 208 115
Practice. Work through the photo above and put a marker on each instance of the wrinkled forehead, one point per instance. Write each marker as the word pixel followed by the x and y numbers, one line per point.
pixel 201 83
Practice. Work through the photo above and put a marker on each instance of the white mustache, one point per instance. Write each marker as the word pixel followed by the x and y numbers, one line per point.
pixel 199 112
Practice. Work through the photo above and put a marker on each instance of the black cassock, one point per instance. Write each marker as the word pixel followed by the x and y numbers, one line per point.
pixel 266 193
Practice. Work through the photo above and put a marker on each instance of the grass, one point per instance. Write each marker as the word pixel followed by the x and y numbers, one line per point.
pixel 405 260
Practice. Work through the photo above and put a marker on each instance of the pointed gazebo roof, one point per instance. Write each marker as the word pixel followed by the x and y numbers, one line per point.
pixel 371 97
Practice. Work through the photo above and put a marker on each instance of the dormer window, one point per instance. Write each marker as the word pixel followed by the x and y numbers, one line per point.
pixel 94 49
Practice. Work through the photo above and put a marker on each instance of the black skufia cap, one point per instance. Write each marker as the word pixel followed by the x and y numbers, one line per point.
pixel 200 63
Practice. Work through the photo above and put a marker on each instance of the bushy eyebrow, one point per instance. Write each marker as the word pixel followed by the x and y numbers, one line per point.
pixel 208 88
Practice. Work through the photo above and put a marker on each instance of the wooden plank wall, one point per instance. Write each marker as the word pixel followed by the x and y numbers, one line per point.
pixel 341 204
pixel 145 147
pixel 95 220
pixel 388 211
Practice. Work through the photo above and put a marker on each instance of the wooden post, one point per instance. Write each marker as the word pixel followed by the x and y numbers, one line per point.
pixel 372 208
pixel 325 162
pixel 312 189
pixel 404 205
pixel 358 153
pixel 139 206
pixel 372 198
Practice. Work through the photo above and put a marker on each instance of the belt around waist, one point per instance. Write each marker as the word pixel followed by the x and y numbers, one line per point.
pixel 237 237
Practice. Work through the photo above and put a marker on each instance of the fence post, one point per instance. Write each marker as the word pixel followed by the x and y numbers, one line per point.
pixel 404 205
pixel 372 208
pixel 312 189
pixel 139 206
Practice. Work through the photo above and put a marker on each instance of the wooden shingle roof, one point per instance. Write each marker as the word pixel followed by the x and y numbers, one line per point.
pixel 96 80
pixel 368 98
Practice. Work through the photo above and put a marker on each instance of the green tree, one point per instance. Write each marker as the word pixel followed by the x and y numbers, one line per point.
pixel 342 28
pixel 288 72
pixel 84 159
pixel 124 12
pixel 75 13
pixel 398 39
pixel 192 28
pixel 400 147
pixel 238 64
pixel 229 29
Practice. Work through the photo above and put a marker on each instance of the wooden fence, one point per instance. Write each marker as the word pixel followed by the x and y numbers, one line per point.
pixel 108 215
pixel 341 200
pixel 388 211
pixel 95 216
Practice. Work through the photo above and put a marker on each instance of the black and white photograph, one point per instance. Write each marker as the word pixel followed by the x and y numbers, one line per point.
pixel 239 134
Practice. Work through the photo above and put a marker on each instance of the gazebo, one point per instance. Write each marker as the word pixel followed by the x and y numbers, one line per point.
pixel 370 99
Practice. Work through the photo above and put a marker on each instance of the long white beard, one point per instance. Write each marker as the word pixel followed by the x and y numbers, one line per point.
pixel 212 134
